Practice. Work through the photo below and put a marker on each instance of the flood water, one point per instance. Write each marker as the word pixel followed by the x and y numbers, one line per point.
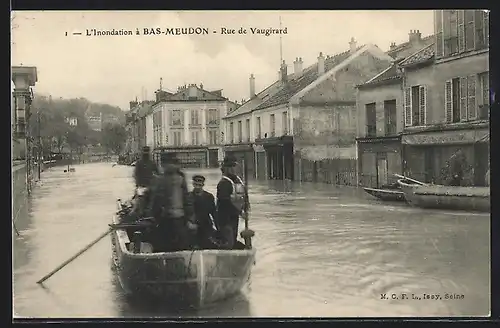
pixel 322 250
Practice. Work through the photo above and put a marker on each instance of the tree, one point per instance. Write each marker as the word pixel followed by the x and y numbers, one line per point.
pixel 114 137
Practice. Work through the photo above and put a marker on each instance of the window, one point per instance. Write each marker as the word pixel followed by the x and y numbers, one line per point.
pixel 247 129
pixel 213 116
pixel 259 129
pixel 371 120
pixel 285 123
pixel 390 117
pixel 195 138
pixel 459 31
pixel 415 105
pixel 177 136
pixel 195 117
pixel 273 125
pixel 212 136
pixel 460 99
pixel 484 96
pixel 240 131
pixel 231 132
pixel 176 118
pixel 157 130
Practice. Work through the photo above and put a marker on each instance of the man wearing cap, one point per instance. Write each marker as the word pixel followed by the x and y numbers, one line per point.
pixel 231 200
pixel 205 212
pixel 171 206
pixel 144 169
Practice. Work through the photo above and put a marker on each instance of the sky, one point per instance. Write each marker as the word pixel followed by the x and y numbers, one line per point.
pixel 117 69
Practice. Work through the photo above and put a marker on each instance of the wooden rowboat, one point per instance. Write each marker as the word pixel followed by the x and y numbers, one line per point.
pixel 392 195
pixel 446 197
pixel 391 192
pixel 188 278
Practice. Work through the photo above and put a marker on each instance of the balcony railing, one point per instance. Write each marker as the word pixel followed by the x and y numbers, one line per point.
pixel 390 129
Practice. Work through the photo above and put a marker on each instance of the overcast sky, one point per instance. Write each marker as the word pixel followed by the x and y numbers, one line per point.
pixel 116 69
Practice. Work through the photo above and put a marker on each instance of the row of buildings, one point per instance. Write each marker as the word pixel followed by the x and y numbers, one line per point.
pixel 352 118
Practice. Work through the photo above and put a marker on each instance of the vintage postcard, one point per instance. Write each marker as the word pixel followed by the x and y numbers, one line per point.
pixel 250 164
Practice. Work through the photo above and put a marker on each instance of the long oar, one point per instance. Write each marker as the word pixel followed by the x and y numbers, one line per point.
pixel 246 234
pixel 145 223
pixel 409 179
pixel 15 229
pixel 71 259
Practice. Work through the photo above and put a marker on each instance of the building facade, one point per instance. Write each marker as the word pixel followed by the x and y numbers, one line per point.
pixel 188 123
pixel 380 116
pixel 302 127
pixel 455 90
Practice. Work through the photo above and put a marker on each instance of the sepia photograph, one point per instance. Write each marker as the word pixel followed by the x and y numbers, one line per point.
pixel 246 164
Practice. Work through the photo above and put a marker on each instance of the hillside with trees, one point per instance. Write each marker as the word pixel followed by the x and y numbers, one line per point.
pixel 59 134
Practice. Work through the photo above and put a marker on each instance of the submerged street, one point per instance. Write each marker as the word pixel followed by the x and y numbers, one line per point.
pixel 322 250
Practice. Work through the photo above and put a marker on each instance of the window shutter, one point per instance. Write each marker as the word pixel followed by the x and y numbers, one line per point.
pixel 408 113
pixel 463 99
pixel 170 117
pixel 471 96
pixel 486 24
pixel 448 104
pixel 438 19
pixel 461 31
pixel 423 105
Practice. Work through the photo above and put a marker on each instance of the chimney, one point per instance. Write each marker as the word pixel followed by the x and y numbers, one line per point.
pixel 393 46
pixel 201 86
pixel 283 71
pixel 352 46
pixel 414 36
pixel 297 67
pixel 321 64
pixel 252 86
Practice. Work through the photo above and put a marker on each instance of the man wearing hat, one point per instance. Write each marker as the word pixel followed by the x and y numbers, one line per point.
pixel 205 212
pixel 144 169
pixel 231 199
pixel 171 206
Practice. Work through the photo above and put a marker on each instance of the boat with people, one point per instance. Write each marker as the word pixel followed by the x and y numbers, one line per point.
pixel 445 197
pixel 390 192
pixel 193 278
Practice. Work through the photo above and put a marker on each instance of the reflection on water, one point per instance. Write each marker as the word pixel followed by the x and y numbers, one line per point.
pixel 321 251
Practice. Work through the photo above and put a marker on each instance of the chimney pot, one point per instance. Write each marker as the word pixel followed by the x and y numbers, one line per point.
pixel 252 86
pixel 321 64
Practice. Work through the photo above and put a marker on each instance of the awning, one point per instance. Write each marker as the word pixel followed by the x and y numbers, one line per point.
pixel 447 137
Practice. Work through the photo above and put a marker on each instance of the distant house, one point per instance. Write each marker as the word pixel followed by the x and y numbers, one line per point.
pixel 302 127
pixel 188 123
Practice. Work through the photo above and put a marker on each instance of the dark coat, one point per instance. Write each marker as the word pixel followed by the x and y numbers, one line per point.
pixel 204 206
pixel 144 171
pixel 160 198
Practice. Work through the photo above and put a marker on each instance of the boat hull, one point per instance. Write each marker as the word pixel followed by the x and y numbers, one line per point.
pixel 447 197
pixel 186 278
pixel 386 194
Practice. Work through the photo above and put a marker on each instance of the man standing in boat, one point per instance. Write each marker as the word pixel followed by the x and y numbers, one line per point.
pixel 144 169
pixel 231 201
pixel 205 212
pixel 171 206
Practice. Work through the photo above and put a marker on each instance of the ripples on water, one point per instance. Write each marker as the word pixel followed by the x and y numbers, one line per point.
pixel 321 251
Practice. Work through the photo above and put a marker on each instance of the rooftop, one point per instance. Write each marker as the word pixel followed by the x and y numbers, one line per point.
pixel 423 55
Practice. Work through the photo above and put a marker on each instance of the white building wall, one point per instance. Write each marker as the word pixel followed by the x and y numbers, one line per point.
pixel 186 108
pixel 149 131
pixel 265 120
